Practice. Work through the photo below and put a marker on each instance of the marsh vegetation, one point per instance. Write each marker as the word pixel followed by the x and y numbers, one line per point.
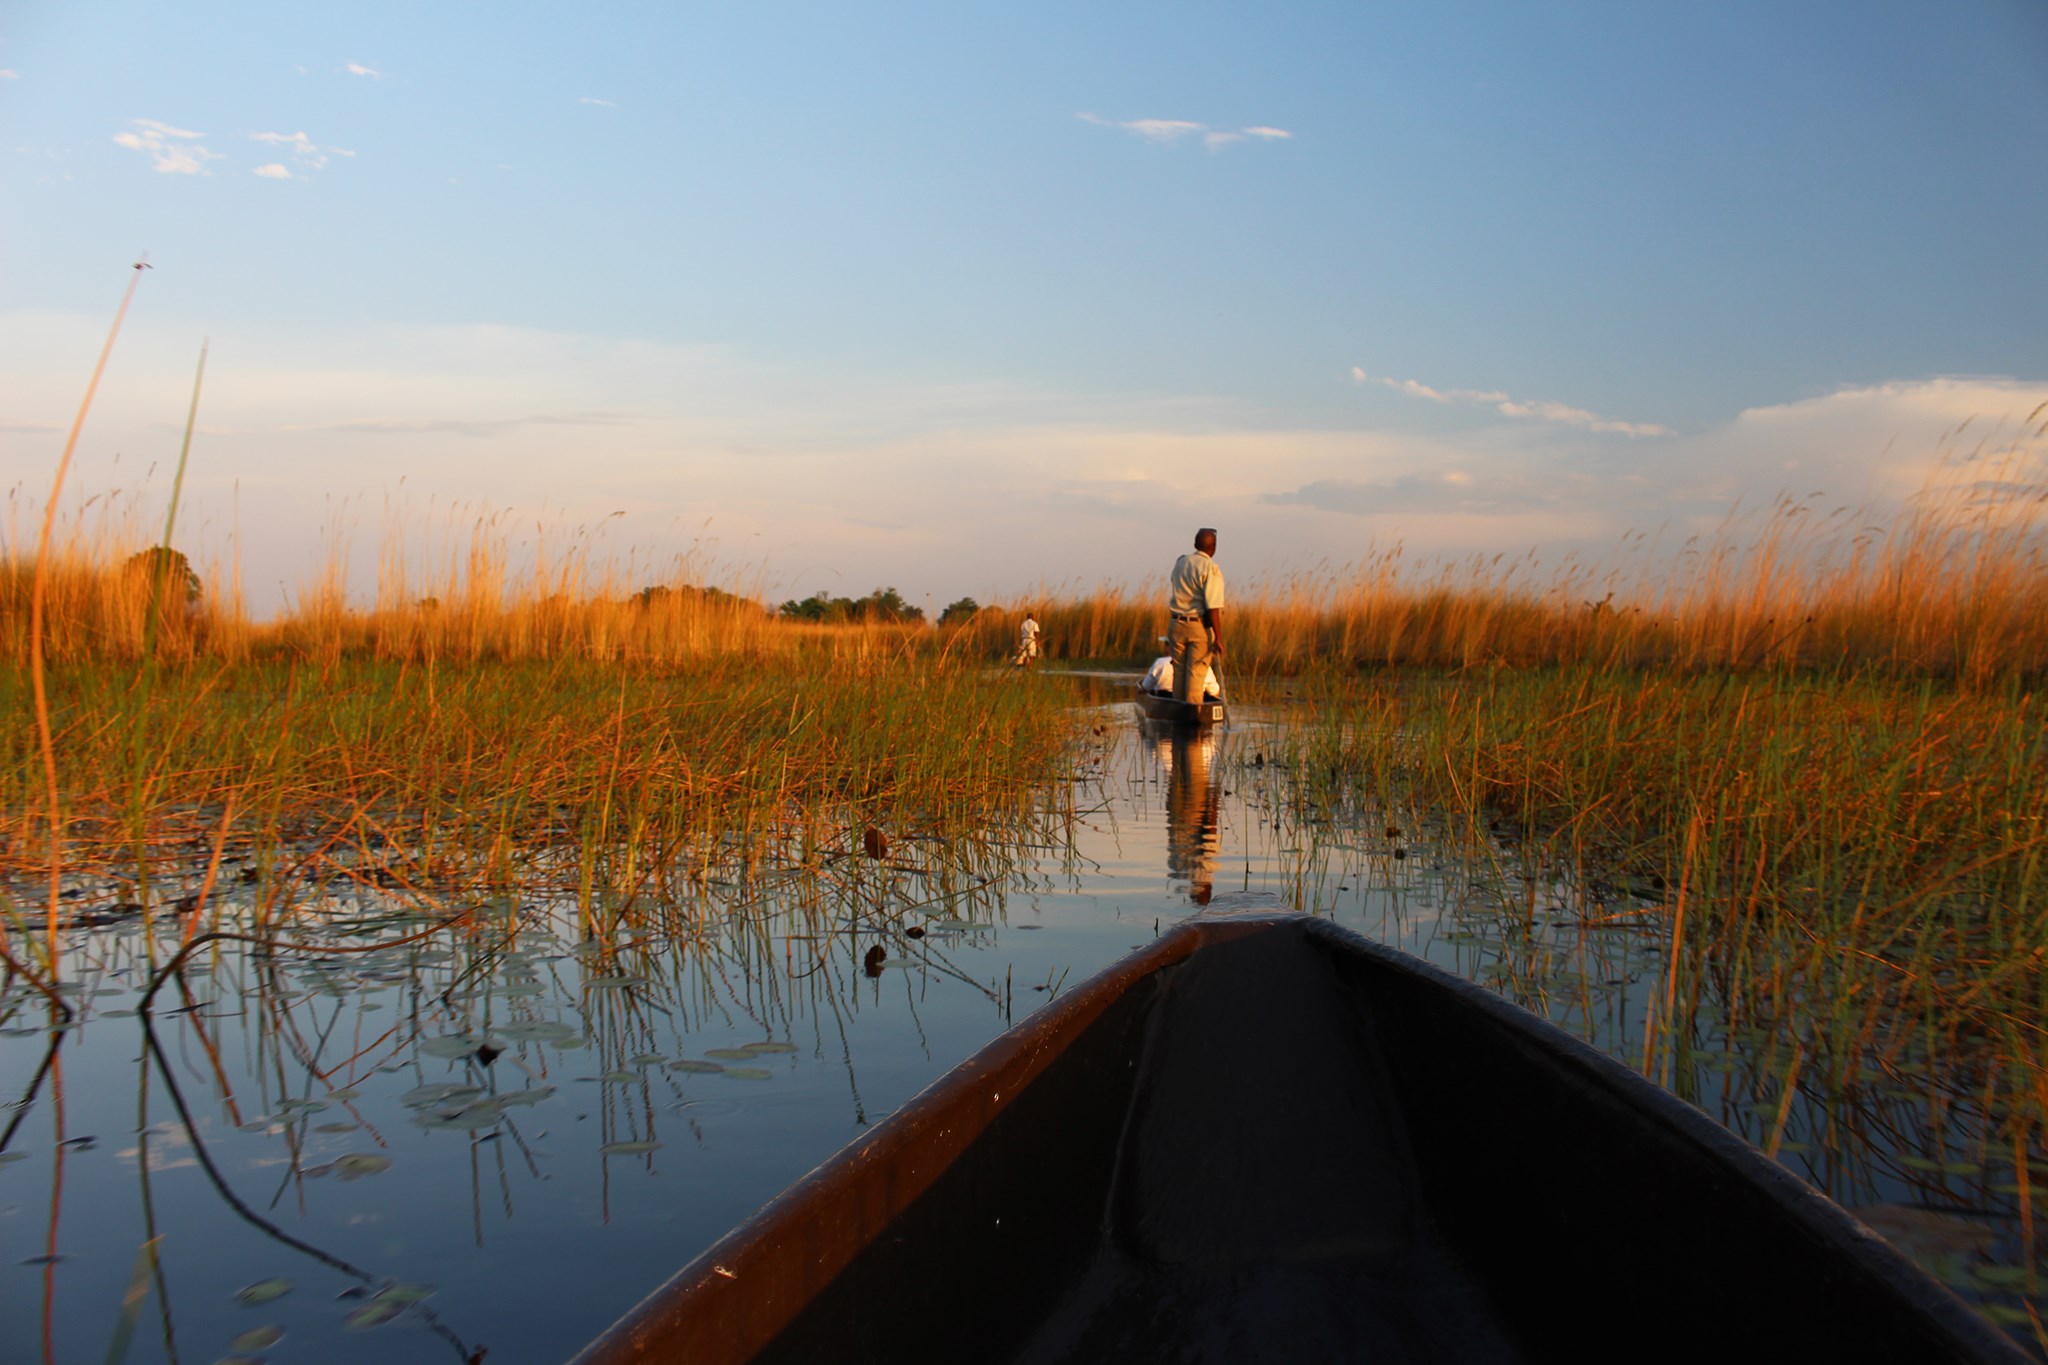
pixel 404 898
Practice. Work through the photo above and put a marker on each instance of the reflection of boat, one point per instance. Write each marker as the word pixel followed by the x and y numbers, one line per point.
pixel 1262 1137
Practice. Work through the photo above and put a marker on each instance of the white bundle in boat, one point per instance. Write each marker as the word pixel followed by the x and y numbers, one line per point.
pixel 1159 678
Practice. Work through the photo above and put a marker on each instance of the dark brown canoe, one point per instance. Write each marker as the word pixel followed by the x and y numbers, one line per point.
pixel 1163 706
pixel 1264 1138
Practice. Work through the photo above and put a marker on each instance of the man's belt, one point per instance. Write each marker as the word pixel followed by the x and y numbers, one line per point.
pixel 1186 615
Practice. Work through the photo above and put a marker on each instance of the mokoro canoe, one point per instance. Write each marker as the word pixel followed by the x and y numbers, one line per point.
pixel 1164 706
pixel 1264 1138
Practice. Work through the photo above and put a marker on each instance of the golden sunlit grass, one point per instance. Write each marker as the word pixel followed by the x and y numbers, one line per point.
pixel 465 727
pixel 1955 586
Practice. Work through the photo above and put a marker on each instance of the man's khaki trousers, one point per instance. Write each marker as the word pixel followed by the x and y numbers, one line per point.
pixel 1190 643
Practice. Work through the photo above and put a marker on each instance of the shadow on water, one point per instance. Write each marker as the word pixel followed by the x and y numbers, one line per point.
pixel 451 1122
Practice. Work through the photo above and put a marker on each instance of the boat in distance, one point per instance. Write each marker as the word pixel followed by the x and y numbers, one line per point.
pixel 1262 1137
pixel 1164 706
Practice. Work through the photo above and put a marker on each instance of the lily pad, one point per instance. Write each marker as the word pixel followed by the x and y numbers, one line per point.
pixel 6 1157
pixel 263 1291
pixel 356 1165
pixel 451 1045
pixel 375 1313
pixel 620 1077
pixel 646 1058
pixel 690 1068
pixel 2002 1276
pixel 258 1338
pixel 628 1148
pixel 406 1293
pixel 729 1054
pixel 439 1092
pixel 748 1073
pixel 532 1095
pixel 762 1049
pixel 345 1094
pixel 538 1031
pixel 476 1114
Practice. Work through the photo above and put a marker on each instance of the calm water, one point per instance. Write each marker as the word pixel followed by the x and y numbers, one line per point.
pixel 501 1136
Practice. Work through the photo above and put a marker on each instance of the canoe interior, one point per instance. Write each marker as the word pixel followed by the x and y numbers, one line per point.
pixel 1163 706
pixel 1269 1140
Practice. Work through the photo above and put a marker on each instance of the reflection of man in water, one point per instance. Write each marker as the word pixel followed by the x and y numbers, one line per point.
pixel 1194 602
pixel 1193 803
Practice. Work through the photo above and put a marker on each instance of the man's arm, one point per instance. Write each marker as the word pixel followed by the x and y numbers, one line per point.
pixel 1213 618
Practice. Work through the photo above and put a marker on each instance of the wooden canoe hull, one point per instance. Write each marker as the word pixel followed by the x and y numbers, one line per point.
pixel 1171 710
pixel 1262 1137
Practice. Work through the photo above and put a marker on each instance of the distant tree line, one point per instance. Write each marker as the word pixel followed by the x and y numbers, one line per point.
pixel 883 604
pixel 656 594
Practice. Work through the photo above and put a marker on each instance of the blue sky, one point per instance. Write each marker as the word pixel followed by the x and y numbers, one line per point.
pixel 968 299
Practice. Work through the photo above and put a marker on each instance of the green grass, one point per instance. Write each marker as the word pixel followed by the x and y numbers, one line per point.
pixel 464 775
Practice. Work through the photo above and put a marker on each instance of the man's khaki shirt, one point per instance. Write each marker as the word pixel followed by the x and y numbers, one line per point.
pixel 1196 585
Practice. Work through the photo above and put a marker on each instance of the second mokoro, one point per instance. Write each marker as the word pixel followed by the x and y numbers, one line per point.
pixel 1163 706
pixel 1264 1138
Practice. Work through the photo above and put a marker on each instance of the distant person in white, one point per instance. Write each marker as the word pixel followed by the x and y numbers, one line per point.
pixel 1194 600
pixel 1027 641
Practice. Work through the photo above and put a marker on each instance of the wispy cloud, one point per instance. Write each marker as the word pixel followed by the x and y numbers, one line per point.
pixel 1452 492
pixel 1166 132
pixel 8 73
pixel 358 69
pixel 1542 410
pixel 173 151
pixel 305 153
pixel 602 104
pixel 460 426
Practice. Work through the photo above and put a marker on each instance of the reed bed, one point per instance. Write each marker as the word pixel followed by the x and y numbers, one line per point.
pixel 452 737
pixel 1954 586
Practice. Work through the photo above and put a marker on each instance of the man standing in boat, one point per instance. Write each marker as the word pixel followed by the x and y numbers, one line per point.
pixel 1027 642
pixel 1194 601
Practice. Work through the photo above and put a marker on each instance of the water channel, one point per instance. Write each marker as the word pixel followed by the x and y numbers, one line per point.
pixel 499 1137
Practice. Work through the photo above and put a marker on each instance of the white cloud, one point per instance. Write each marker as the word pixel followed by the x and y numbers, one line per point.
pixel 307 154
pixel 1542 410
pixel 1885 440
pixel 8 73
pixel 358 69
pixel 275 170
pixel 1166 132
pixel 173 151
pixel 603 104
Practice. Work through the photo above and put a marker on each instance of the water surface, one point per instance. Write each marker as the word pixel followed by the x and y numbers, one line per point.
pixel 500 1135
